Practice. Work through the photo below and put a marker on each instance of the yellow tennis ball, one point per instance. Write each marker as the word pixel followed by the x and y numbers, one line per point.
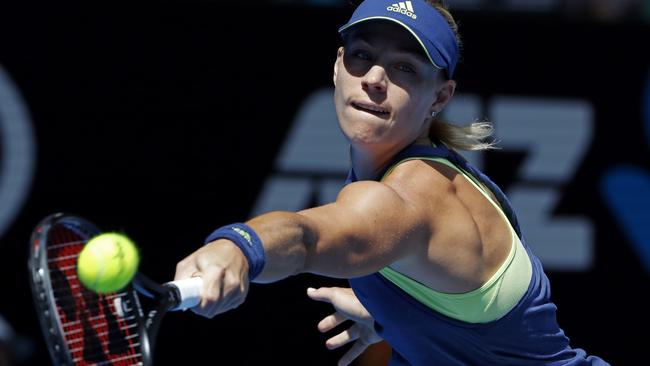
pixel 108 262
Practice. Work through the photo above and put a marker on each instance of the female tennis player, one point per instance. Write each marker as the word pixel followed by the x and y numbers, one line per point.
pixel 416 228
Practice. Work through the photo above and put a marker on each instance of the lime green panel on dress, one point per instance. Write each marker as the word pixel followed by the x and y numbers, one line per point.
pixel 487 303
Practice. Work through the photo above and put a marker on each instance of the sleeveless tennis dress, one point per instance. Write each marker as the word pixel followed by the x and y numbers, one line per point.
pixel 510 320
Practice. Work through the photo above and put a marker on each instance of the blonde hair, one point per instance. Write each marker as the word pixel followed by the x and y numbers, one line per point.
pixel 472 136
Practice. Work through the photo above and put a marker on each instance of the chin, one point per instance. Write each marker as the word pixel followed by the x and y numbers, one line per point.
pixel 362 133
pixel 368 141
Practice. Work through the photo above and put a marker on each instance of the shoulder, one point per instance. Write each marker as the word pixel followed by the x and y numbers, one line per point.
pixel 433 190
pixel 415 179
pixel 407 181
pixel 418 190
pixel 363 194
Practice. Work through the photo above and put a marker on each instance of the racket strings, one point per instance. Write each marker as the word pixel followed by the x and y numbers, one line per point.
pixel 64 244
pixel 101 334
pixel 68 257
pixel 73 325
pixel 136 357
pixel 95 331
pixel 92 342
pixel 96 347
pixel 90 302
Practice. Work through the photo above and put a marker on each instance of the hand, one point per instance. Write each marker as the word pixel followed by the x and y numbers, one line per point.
pixel 347 307
pixel 224 270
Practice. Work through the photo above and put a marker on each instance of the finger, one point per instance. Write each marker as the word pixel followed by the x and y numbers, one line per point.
pixel 321 294
pixel 185 268
pixel 206 312
pixel 200 311
pixel 212 293
pixel 325 294
pixel 344 301
pixel 343 338
pixel 213 282
pixel 331 321
pixel 355 351
pixel 235 290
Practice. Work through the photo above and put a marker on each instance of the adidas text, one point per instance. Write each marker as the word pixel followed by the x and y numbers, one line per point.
pixel 403 9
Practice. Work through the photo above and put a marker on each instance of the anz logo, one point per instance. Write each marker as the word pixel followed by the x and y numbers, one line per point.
pixel 553 133
pixel 17 152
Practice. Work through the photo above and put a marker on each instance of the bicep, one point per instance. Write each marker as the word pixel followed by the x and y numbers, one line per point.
pixel 369 227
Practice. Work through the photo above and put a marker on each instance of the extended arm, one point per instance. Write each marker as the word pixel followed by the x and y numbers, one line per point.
pixel 368 227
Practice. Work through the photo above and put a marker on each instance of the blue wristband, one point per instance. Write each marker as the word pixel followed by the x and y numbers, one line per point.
pixel 247 240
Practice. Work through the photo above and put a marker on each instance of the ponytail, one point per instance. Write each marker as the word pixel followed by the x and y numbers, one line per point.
pixel 469 137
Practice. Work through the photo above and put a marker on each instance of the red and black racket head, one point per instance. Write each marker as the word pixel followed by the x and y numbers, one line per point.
pixel 80 326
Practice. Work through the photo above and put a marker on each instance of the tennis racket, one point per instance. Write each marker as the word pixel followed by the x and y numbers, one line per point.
pixel 82 327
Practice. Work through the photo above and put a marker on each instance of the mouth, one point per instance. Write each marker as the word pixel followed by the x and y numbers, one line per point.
pixel 370 108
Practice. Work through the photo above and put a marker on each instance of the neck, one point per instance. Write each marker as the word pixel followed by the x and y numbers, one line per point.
pixel 369 162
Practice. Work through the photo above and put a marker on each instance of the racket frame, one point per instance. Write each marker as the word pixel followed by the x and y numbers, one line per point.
pixel 43 292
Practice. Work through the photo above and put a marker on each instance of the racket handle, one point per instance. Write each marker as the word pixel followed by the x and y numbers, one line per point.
pixel 189 291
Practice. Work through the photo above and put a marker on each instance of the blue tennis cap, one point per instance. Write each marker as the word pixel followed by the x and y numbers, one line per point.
pixel 422 20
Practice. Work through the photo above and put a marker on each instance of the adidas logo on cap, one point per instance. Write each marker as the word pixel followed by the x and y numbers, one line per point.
pixel 403 7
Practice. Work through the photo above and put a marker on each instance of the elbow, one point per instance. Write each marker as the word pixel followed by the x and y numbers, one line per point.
pixel 307 252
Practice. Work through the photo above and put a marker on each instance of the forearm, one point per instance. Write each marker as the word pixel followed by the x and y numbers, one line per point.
pixel 366 229
pixel 286 237
pixel 234 255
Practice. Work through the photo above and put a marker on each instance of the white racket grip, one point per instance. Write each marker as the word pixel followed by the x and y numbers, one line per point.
pixel 190 290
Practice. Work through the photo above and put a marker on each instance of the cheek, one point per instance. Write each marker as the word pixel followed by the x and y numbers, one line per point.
pixel 420 104
pixel 339 99
pixel 413 115
pixel 342 91
pixel 340 85
pixel 410 109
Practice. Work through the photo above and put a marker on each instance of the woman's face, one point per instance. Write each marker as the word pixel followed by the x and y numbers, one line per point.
pixel 386 88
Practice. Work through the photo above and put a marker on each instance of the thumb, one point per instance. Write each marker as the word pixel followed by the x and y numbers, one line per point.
pixel 186 269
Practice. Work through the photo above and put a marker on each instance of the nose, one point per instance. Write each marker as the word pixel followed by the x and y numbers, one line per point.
pixel 375 79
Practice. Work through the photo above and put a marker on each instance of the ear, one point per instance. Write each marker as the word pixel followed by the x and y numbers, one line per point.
pixel 443 95
pixel 339 59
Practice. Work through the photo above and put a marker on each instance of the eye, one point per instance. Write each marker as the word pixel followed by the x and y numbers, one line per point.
pixel 405 68
pixel 362 55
